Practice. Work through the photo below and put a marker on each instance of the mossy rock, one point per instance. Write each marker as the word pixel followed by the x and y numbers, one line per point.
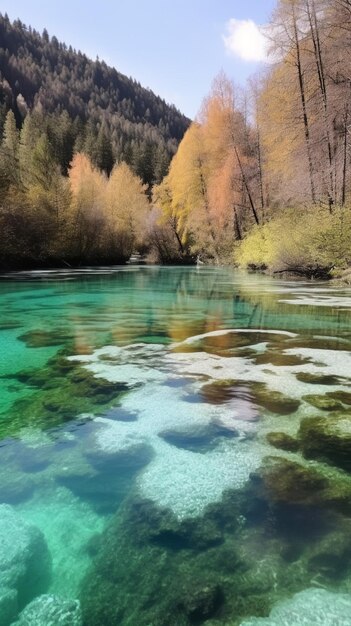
pixel 280 359
pixel 319 379
pixel 282 480
pixel 274 401
pixel 324 403
pixel 341 396
pixel 283 441
pixel 317 342
pixel 330 558
pixel 221 391
pixel 147 549
pixel 258 394
pixel 327 439
pixel 160 527
pixel 301 502
pixel 202 602
pixel 45 338
pixel 61 391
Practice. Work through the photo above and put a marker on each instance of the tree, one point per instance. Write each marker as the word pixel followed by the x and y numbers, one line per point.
pixel 10 150
pixel 85 221
pixel 126 210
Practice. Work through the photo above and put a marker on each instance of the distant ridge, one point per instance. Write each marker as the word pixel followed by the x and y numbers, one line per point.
pixel 37 72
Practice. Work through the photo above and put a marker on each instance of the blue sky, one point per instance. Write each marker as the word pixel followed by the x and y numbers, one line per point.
pixel 174 47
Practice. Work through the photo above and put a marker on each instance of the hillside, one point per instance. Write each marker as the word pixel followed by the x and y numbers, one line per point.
pixel 111 113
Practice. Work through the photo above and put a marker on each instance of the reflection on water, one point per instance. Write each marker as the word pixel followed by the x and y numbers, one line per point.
pixel 175 447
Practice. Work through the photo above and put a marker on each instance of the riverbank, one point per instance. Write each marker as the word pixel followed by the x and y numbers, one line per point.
pixel 312 243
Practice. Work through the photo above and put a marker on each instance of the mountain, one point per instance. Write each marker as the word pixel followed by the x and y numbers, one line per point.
pixel 110 113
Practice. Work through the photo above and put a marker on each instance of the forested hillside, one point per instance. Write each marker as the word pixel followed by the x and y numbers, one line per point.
pixel 95 108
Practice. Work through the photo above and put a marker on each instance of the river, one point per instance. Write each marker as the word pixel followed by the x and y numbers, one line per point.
pixel 175 449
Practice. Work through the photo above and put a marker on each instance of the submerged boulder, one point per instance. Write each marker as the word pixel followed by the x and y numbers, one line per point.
pixel 198 438
pixel 202 603
pixel 342 396
pixel 283 481
pixel 283 441
pixel 273 401
pixel 25 564
pixel 324 403
pixel 327 439
pixel 319 379
pixel 15 486
pixel 50 610
pixel 316 607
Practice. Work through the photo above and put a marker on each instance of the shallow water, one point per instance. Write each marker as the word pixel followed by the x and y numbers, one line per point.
pixel 181 438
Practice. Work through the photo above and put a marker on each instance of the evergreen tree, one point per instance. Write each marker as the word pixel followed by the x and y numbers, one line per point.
pixel 10 150
pixel 102 154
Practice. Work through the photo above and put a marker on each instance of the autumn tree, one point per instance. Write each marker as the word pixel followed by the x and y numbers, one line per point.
pixel 212 193
pixel 85 223
pixel 126 209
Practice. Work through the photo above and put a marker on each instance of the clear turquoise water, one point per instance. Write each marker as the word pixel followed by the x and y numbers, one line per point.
pixel 136 420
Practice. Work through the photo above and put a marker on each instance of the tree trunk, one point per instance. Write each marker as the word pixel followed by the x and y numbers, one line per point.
pixel 313 21
pixel 303 104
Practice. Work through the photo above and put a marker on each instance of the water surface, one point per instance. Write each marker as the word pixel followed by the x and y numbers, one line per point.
pixel 175 448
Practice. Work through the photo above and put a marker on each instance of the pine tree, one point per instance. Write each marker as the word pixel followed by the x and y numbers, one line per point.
pixel 10 150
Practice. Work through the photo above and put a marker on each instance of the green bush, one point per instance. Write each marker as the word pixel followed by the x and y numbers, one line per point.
pixel 310 241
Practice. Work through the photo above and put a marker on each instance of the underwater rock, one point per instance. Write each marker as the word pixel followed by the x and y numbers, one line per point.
pixel 62 391
pixel 319 379
pixel 327 439
pixel 202 603
pixel 316 607
pixel 25 562
pixel 103 478
pixel 150 568
pixel 254 394
pixel 63 409
pixel 129 457
pixel 15 486
pixel 103 390
pixel 280 359
pixel 200 438
pixel 120 415
pixel 324 403
pixel 283 441
pixel 160 527
pixel 44 338
pixel 280 480
pixel 8 605
pixel 342 396
pixel 299 493
pixel 50 610
pixel 34 459
pixel 274 401
pixel 330 558
pixel 222 391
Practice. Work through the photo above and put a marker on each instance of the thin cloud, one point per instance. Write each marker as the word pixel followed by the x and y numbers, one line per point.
pixel 245 39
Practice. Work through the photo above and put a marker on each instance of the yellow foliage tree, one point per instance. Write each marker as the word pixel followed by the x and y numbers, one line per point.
pixel 126 210
pixel 86 221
